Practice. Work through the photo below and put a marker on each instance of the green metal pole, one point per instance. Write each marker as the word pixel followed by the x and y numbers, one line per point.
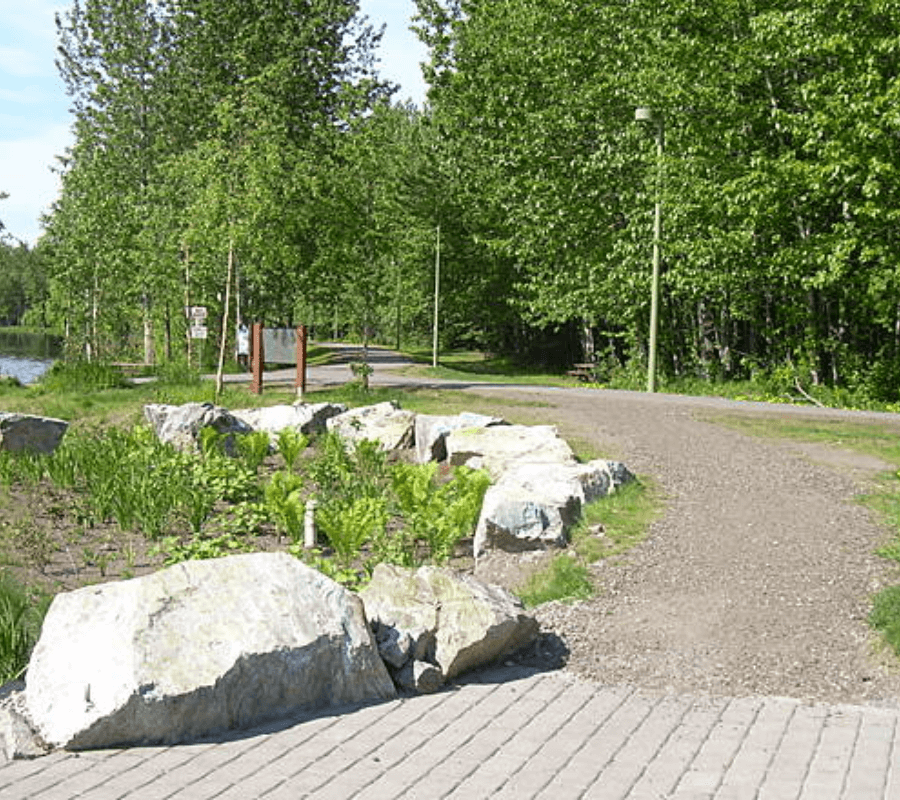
pixel 437 297
pixel 657 240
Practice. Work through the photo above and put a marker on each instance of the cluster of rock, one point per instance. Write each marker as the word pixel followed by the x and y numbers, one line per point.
pixel 208 646
pixel 432 625
pixel 538 485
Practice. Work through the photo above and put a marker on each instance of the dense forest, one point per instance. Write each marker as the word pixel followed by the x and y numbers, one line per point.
pixel 247 156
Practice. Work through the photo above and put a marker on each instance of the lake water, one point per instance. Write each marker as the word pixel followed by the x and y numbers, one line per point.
pixel 27 356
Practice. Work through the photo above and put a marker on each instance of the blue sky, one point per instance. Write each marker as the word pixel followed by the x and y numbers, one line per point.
pixel 34 116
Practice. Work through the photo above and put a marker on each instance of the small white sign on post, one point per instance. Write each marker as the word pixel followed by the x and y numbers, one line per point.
pixel 197 314
pixel 198 331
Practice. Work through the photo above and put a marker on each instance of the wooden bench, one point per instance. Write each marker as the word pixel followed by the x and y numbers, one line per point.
pixel 584 372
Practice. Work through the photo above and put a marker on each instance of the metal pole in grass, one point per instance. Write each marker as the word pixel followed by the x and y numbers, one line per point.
pixel 644 114
pixel 437 296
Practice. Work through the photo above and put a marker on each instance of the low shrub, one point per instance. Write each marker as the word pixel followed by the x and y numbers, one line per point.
pixel 81 377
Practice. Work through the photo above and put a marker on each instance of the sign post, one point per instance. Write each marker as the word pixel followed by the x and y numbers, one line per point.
pixel 300 382
pixel 197 320
pixel 257 357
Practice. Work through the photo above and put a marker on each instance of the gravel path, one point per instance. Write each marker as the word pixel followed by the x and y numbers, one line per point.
pixel 757 577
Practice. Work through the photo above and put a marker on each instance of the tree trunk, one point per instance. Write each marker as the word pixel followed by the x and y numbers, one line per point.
pixel 220 372
pixel 149 350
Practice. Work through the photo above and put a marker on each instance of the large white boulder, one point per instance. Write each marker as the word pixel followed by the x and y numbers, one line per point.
pixel 25 432
pixel 200 647
pixel 447 619
pixel 385 423
pixel 533 506
pixel 432 430
pixel 499 447
pixel 180 426
pixel 305 417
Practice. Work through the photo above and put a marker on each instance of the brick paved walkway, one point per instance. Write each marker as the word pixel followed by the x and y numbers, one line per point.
pixel 509 735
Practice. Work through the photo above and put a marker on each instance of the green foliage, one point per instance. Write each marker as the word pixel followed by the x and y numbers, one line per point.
pixel 176 550
pixel 885 616
pixel 21 615
pixel 350 523
pixel 177 373
pixel 439 515
pixel 291 443
pixel 285 504
pixel 253 448
pixel 313 557
pixel 347 471
pixel 132 478
pixel 566 578
pixel 81 377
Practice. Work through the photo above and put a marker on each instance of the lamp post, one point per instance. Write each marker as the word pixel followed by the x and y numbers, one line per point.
pixel 648 115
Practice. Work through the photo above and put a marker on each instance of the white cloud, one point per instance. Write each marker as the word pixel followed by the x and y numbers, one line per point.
pixel 26 176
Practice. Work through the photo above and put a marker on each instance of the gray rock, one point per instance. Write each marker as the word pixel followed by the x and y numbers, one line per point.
pixel 533 506
pixel 500 447
pixel 394 646
pixel 385 423
pixel 305 417
pixel 199 648
pixel 180 426
pixel 18 737
pixel 431 432
pixel 25 432
pixel 472 624
pixel 419 676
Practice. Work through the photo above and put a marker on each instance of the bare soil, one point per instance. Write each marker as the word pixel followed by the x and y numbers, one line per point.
pixel 758 576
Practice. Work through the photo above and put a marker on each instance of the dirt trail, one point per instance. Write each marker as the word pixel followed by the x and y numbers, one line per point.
pixel 757 578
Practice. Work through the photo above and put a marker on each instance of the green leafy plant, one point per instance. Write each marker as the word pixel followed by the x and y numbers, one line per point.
pixel 253 448
pixel 350 524
pixel 175 550
pixel 342 471
pixel 361 371
pixel 285 504
pixel 244 518
pixel 439 515
pixel 291 443
pixel 313 557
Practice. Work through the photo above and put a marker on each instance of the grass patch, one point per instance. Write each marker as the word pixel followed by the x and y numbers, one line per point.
pixel 872 438
pixel 609 526
pixel 614 524
pixel 566 578
pixel 21 614
pixel 885 616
